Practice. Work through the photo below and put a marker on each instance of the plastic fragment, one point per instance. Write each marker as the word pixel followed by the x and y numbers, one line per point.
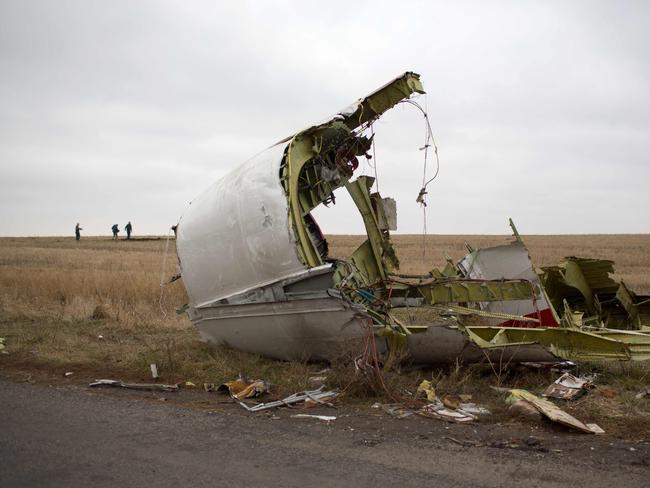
pixel 240 389
pixel 135 386
pixel 568 387
pixel 316 395
pixel 426 389
pixel 326 418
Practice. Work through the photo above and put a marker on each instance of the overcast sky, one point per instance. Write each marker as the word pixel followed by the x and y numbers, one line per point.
pixel 116 111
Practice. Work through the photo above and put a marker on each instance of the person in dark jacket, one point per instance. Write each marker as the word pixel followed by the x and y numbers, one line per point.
pixel 128 228
pixel 77 231
pixel 115 230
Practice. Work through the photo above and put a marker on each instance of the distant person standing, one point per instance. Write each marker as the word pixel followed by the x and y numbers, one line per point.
pixel 115 230
pixel 128 229
pixel 77 231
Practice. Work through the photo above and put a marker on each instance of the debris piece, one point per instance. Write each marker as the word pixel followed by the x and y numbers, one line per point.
pixel 643 394
pixel 316 395
pixel 154 371
pixel 595 428
pixel 135 386
pixel 522 408
pixel 474 409
pixel 510 260
pixel 428 390
pixel 313 402
pixel 439 411
pixel 550 410
pixel 394 410
pixel 209 387
pixel 326 418
pixel 3 348
pixel 68 373
pixel 190 384
pixel 240 389
pixel 451 401
pixel 568 387
pixel 100 336
pixel 556 366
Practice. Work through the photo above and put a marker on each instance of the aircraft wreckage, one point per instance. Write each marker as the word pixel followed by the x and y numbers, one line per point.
pixel 257 271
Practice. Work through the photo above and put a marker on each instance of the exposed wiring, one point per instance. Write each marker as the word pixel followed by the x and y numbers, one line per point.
pixel 429 141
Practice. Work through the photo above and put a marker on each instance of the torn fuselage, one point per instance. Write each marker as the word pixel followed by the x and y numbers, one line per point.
pixel 256 265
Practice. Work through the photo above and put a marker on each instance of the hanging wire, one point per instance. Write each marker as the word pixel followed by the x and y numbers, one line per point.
pixel 374 157
pixel 429 141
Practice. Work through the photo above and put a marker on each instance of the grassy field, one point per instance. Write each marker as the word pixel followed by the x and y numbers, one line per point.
pixel 60 278
pixel 96 307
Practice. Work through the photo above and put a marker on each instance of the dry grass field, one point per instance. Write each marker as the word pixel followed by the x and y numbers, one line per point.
pixel 60 278
pixel 96 307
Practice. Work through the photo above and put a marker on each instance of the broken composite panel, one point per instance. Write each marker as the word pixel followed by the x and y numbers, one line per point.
pixel 259 277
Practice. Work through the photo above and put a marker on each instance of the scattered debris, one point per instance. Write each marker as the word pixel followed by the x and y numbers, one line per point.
pixel 555 366
pixel 551 411
pixel 474 409
pixel 68 373
pixel 320 377
pixel 394 410
pixel 439 411
pixel 154 371
pixel 240 388
pixel 428 390
pixel 189 384
pixel 326 418
pixel 135 386
pixel 318 396
pixel 568 387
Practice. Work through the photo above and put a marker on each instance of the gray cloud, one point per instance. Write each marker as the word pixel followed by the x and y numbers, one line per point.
pixel 116 111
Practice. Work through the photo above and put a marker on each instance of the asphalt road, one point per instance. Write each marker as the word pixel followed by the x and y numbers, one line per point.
pixel 67 437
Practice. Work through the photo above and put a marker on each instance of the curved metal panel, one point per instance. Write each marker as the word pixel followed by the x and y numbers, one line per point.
pixel 236 234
